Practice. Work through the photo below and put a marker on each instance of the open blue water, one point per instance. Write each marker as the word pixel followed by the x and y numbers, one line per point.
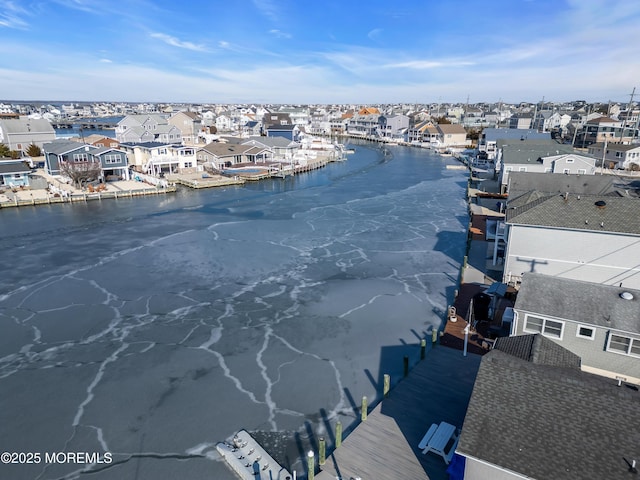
pixel 152 328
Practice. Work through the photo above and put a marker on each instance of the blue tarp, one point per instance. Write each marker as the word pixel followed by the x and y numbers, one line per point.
pixel 456 467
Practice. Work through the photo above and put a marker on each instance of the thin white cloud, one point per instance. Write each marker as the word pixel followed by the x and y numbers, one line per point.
pixel 429 64
pixel 174 42
pixel 279 34
pixel 105 60
pixel 12 15
pixel 374 34
pixel 267 8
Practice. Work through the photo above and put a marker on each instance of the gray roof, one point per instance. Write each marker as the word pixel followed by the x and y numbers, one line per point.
pixel 579 212
pixel 495 134
pixel 529 153
pixel 14 167
pixel 538 349
pixel 59 147
pixel 523 182
pixel 584 302
pixel 24 125
pixel 550 423
pixel 279 142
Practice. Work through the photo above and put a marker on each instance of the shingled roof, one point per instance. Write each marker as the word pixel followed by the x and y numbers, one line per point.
pixel 580 212
pixel 550 423
pixel 586 302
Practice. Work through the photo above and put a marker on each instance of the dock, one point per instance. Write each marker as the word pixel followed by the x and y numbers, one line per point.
pixel 244 455
pixel 385 445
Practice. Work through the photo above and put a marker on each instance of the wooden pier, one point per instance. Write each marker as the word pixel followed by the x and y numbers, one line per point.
pixel 385 445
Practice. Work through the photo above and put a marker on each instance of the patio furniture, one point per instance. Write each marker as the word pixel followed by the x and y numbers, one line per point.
pixel 439 439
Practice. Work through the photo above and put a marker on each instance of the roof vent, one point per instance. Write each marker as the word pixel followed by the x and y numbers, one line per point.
pixel 626 296
pixel 601 204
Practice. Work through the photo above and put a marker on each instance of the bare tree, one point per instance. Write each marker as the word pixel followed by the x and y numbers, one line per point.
pixel 81 173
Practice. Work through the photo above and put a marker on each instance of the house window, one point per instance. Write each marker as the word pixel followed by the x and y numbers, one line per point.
pixel 566 171
pixel 547 170
pixel 522 169
pixel 584 331
pixel 569 160
pixel 508 169
pixel 581 171
pixel 548 328
pixel 110 159
pixel 624 345
pixel 80 157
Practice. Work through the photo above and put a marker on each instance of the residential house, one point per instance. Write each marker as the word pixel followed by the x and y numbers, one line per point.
pixel 487 145
pixel 113 161
pixel 393 127
pixel 189 124
pixel 157 158
pixel 289 131
pixel 601 129
pixel 618 155
pixel 275 118
pixel 223 155
pixel 252 128
pixel 521 121
pixel 450 135
pixel 364 124
pixel 418 133
pixel 588 237
pixel 542 157
pixel 19 133
pixel 223 123
pixel 599 323
pixel 279 149
pixel 14 173
pixel 60 151
pixel 533 414
pixel 147 128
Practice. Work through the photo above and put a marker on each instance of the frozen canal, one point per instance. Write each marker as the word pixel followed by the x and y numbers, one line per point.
pixel 146 330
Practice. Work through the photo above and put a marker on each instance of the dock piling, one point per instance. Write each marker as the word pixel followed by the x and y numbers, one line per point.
pixel 423 348
pixel 311 465
pixel 363 412
pixel 322 451
pixel 405 362
pixel 387 385
pixel 338 433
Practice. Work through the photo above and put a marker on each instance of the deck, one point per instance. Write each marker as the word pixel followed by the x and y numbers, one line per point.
pixel 386 444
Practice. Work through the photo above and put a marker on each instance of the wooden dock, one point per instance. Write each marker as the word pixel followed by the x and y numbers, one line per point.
pixel 385 445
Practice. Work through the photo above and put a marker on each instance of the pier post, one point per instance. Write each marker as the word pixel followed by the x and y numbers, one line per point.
pixel 363 411
pixel 387 385
pixel 434 336
pixel 423 348
pixel 311 465
pixel 338 433
pixel 405 362
pixel 322 452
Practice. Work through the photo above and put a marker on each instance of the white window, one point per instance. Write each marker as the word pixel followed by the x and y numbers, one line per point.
pixel 80 157
pixel 547 170
pixel 569 160
pixel 581 171
pixel 522 169
pixel 624 345
pixel 584 331
pixel 508 169
pixel 566 171
pixel 545 326
pixel 112 159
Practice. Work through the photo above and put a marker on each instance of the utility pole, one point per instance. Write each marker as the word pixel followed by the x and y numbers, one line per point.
pixel 624 125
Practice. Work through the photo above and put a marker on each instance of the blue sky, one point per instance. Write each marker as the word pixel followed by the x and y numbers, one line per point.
pixel 324 51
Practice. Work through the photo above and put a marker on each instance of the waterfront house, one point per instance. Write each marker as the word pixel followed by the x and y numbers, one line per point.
pixel 450 135
pixel 534 414
pixel 546 156
pixel 19 133
pixel 618 155
pixel 521 121
pixel 223 155
pixel 363 124
pixel 487 144
pixel 278 148
pixel 189 124
pixel 113 162
pixel 14 173
pixel 583 237
pixel 599 323
pixel 418 133
pixel 59 151
pixel 155 158
pixel 393 127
